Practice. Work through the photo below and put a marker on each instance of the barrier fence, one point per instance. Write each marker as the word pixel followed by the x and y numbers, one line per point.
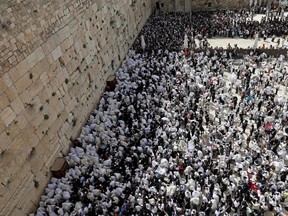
pixel 237 53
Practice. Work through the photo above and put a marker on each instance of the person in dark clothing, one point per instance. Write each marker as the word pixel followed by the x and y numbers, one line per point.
pixel 244 125
pixel 252 130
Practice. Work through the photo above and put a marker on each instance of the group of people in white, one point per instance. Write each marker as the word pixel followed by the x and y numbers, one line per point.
pixel 202 134
pixel 167 30
pixel 184 133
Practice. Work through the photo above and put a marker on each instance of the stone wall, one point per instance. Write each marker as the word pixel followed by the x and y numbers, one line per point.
pixel 54 59
pixel 196 5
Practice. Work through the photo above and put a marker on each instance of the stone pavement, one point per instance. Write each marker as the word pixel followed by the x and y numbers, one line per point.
pixel 243 43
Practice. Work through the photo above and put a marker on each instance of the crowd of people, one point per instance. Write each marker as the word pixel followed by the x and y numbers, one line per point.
pixel 167 30
pixel 184 133
pixel 197 134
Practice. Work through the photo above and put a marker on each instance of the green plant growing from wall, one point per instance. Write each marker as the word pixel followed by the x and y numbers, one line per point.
pixel 29 105
pixel 31 153
pixel 36 183
pixel 4 26
pixel 74 121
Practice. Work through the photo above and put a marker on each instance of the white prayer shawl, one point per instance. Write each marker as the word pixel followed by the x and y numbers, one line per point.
pixel 182 145
pixel 138 208
pixel 191 147
pixel 164 163
pixel 140 201
pixel 41 213
pixel 51 186
pixel 161 171
pixel 195 200
pixel 278 165
pixel 67 206
pixel 96 192
pixel 187 170
pixel 107 162
pixel 60 212
pixel 66 195
pixel 214 204
pixel 171 189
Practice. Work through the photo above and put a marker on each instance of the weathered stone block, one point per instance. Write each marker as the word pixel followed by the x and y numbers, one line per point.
pixel 49 45
pixel 32 59
pixel 17 212
pixel 7 80
pixel 14 146
pixel 23 67
pixel 17 105
pixel 48 52
pixel 7 116
pixel 23 83
pixel 14 74
pixel 4 102
pixel 2 127
pixel 21 121
pixel 56 53
pixel 13 130
pixel 35 88
pixel 39 53
pixel 11 93
pixel 3 85
pixel 25 97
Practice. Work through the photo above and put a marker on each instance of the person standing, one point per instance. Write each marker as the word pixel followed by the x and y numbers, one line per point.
pixel 244 125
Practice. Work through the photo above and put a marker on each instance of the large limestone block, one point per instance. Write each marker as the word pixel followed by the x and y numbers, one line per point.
pixel 23 67
pixel 7 116
pixel 4 102
pixel 3 85
pixel 17 105
pixel 23 83
pixel 11 93
pixel 57 53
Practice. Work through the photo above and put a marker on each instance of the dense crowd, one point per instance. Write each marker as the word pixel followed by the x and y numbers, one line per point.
pixel 197 135
pixel 167 30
